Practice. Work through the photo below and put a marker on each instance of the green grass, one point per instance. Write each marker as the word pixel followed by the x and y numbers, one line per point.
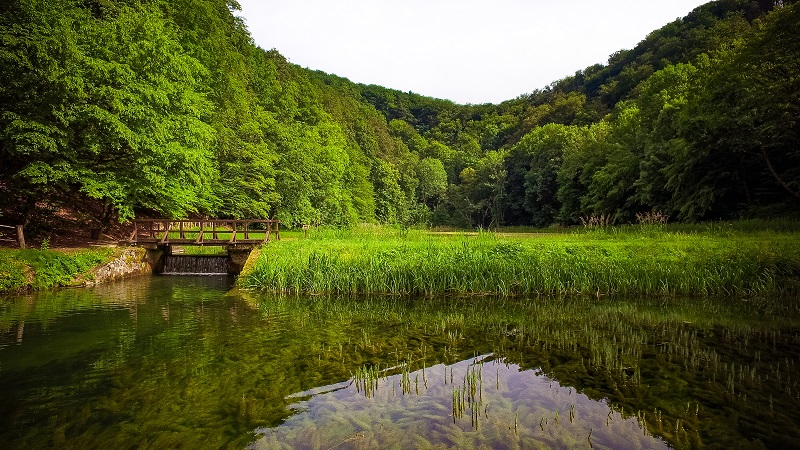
pixel 42 269
pixel 626 261
pixel 211 250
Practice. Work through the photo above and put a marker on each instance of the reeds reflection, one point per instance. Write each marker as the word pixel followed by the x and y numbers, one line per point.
pixel 172 361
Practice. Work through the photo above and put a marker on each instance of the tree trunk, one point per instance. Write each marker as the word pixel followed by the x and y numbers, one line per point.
pixel 104 221
pixel 776 175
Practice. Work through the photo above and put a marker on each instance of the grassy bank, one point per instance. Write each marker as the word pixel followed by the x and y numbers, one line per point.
pixel 42 269
pixel 624 261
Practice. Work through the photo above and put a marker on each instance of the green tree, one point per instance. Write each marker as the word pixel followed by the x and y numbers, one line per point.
pixel 390 202
pixel 479 198
pixel 432 180
pixel 610 190
pixel 766 111
pixel 661 102
pixel 123 117
pixel 532 168
pixel 580 162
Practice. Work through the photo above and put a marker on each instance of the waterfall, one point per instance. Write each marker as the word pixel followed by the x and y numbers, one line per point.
pixel 195 265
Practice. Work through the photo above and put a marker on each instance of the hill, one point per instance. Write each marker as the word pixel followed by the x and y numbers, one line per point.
pixel 118 109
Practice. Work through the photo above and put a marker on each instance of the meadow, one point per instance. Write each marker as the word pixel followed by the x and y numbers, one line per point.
pixel 742 258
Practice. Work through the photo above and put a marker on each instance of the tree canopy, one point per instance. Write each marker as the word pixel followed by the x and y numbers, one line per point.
pixel 122 108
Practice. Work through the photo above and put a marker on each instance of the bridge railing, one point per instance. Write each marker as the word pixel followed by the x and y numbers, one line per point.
pixel 13 234
pixel 203 232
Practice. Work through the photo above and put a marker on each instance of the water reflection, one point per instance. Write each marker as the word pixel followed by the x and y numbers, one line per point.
pixel 173 361
pixel 484 402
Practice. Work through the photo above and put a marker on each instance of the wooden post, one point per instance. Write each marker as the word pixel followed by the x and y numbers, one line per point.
pixel 135 235
pixel 20 237
pixel 233 235
pixel 165 238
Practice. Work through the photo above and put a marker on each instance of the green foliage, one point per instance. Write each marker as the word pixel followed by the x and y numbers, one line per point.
pixel 13 275
pixel 122 120
pixel 42 269
pixel 432 179
pixel 744 116
pixel 693 141
pixel 534 164
pixel 114 109
pixel 390 199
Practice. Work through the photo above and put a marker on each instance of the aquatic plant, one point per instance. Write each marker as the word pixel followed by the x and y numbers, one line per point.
pixel 292 369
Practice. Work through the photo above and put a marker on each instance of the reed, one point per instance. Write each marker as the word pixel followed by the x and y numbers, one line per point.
pixel 623 262
pixel 366 379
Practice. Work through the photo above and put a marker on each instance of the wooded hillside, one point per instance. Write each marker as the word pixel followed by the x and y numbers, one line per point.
pixel 119 108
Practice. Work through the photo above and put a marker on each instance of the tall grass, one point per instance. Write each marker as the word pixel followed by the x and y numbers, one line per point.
pixel 633 262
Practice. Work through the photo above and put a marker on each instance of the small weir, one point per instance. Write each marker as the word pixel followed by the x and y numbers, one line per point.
pixel 195 265
pixel 237 237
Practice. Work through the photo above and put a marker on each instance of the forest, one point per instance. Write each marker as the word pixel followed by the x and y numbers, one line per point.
pixel 118 109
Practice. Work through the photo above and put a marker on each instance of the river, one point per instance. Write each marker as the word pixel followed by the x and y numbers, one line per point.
pixel 191 362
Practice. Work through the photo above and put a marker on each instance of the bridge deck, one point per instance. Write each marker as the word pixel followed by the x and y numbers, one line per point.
pixel 203 232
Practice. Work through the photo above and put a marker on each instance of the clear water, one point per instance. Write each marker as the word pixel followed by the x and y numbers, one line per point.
pixel 169 362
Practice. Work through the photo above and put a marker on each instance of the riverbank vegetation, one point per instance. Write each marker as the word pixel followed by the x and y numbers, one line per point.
pixel 43 268
pixel 623 261
pixel 111 110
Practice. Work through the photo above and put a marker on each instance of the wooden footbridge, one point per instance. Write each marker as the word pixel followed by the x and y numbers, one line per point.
pixel 237 237
pixel 204 232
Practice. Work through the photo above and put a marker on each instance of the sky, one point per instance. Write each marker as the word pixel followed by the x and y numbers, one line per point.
pixel 467 51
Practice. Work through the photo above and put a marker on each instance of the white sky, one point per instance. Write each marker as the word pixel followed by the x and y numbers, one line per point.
pixel 468 51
